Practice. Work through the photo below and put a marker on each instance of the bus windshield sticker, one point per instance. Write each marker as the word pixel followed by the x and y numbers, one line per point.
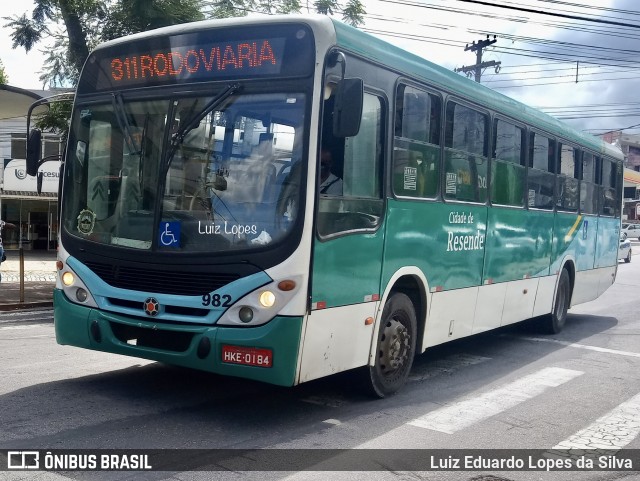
pixel 452 179
pixel 410 178
pixel 86 221
pixel 169 234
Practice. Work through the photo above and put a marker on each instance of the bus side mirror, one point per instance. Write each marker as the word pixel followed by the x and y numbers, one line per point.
pixel 34 144
pixel 347 110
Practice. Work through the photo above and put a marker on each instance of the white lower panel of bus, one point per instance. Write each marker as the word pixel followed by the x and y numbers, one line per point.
pixel 335 340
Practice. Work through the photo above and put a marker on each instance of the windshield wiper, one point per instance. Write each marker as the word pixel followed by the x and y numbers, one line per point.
pixel 178 137
pixel 123 123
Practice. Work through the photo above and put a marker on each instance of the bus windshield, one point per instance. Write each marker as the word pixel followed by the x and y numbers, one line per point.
pixel 187 173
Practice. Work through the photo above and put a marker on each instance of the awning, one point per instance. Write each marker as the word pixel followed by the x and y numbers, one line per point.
pixel 15 102
pixel 631 177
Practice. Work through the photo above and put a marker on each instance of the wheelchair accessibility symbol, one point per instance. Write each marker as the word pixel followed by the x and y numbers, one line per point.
pixel 169 234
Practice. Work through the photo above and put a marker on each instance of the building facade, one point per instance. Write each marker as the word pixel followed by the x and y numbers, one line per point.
pixel 31 217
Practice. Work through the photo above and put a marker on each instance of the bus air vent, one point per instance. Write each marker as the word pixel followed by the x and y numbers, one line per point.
pixel 185 283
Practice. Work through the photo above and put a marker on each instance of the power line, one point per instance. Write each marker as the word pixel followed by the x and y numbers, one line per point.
pixel 553 14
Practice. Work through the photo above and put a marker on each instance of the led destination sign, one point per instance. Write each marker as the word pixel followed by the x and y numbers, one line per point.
pixel 208 55
pixel 261 57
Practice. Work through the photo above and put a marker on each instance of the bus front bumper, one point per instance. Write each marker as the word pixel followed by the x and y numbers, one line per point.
pixel 192 346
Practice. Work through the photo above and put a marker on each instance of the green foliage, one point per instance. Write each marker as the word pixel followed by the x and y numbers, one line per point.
pixel 4 79
pixel 70 29
pixel 229 8
pixel 56 119
pixel 353 13
pixel 132 16
pixel 326 7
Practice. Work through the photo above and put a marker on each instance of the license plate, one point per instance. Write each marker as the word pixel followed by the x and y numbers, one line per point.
pixel 248 356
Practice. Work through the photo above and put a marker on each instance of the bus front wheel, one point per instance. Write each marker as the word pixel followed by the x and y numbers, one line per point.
pixel 553 323
pixel 395 348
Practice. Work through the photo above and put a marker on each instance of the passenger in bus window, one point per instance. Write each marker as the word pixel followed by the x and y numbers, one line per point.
pixel 330 184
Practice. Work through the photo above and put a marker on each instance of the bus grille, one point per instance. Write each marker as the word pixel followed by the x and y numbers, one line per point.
pixel 161 282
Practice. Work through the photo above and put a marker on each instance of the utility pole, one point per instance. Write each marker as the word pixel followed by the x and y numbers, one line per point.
pixel 477 68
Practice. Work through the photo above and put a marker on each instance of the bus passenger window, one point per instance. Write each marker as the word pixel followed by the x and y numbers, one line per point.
pixel 611 191
pixel 508 173
pixel 416 149
pixel 541 175
pixel 588 189
pixel 568 183
pixel 465 154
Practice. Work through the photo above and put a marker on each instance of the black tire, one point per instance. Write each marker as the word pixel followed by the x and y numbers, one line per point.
pixel 554 323
pixel 628 258
pixel 395 348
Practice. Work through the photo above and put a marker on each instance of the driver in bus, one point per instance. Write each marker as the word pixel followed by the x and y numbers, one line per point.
pixel 330 184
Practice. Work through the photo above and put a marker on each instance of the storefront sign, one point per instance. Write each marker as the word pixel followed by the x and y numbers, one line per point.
pixel 16 178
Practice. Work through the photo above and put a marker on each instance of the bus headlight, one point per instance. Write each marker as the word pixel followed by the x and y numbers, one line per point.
pixel 74 289
pixel 260 306
pixel 267 299
pixel 67 279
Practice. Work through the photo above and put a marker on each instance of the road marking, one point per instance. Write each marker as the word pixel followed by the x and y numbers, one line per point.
pixel 460 415
pixel 579 346
pixel 447 365
pixel 614 430
pixel 23 327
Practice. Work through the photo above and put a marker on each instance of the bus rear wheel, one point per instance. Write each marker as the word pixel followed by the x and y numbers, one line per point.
pixel 554 323
pixel 395 349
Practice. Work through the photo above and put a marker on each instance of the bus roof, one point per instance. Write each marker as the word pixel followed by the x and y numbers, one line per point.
pixel 401 61
pixel 414 66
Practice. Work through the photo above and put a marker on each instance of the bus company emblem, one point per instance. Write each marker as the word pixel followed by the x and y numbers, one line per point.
pixel 151 307
pixel 86 221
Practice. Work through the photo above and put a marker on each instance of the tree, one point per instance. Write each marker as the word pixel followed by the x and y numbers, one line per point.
pixel 279 6
pixel 353 13
pixel 326 7
pixel 71 28
pixel 131 16
pixel 4 79
pixel 230 8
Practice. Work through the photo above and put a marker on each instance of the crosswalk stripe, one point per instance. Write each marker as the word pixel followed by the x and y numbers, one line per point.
pixel 460 415
pixel 614 430
pixel 580 346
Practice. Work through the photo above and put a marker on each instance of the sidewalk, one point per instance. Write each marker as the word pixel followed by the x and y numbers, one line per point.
pixel 39 280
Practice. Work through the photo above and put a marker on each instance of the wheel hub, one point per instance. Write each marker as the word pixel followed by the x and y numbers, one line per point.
pixel 394 347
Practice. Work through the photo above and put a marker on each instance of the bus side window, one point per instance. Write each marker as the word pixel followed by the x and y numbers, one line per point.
pixel 541 175
pixel 465 154
pixel 359 160
pixel 588 187
pixel 610 196
pixel 508 173
pixel 568 184
pixel 416 149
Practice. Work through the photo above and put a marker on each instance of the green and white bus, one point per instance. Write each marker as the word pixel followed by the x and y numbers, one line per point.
pixel 284 198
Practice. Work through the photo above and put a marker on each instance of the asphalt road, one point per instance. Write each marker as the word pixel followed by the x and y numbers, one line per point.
pixel 508 389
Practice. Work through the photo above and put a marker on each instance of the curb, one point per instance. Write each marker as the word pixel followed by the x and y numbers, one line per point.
pixel 24 305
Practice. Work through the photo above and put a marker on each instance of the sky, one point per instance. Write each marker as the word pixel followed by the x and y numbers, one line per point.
pixel 539 54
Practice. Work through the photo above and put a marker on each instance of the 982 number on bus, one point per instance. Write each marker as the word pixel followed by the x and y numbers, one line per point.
pixel 216 300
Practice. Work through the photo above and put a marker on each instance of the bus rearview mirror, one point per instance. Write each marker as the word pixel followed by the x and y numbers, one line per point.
pixel 33 151
pixel 347 110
